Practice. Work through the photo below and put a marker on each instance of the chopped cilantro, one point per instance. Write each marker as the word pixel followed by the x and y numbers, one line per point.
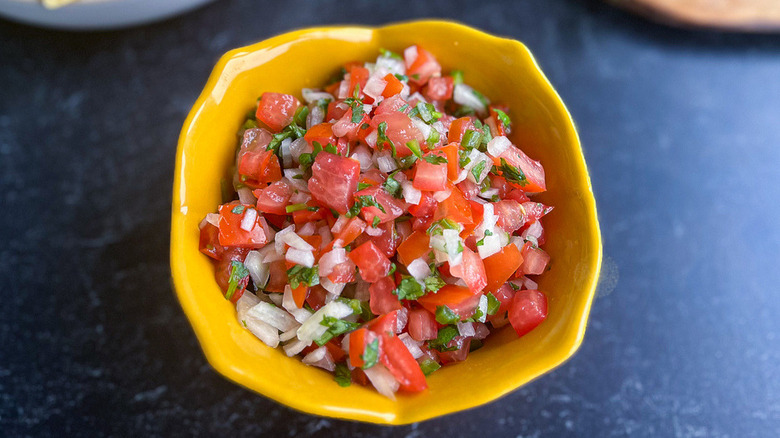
pixel 512 174
pixel 390 54
pixel 357 107
pixel 415 148
pixel 428 366
pixel 463 111
pixel 435 159
pixel 445 315
pixel 457 77
pixel 481 241
pixel 433 137
pixel 446 223
pixel 297 207
pixel 362 185
pixel 238 209
pixel 427 112
pixel 471 139
pixel 360 308
pixel 300 115
pixel 493 304
pixel 481 97
pixel 370 354
pixel 503 118
pixel 382 140
pixel 514 286
pixel 402 78
pixel 392 269
pixel 364 201
pixel 444 336
pixel 392 186
pixel 375 221
pixel 332 149
pixel 433 283
pixel 477 170
pixel 342 375
pixel 409 289
pixel 335 327
pixel 301 274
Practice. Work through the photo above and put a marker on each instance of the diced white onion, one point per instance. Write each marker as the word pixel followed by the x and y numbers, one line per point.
pixel 498 145
pixel 333 289
pixel 258 270
pixel 374 87
pixel 246 196
pixel 288 303
pixel 249 219
pixel 300 198
pixel 363 156
pixel 213 219
pixel 411 195
pixel 490 245
pixel 482 307
pixel 411 345
pixel 452 244
pixel 533 231
pixel 275 298
pixel 295 241
pixel 442 195
pixel 344 91
pixel 421 126
pixel 308 229
pixel 300 257
pixel 466 328
pixel 416 98
pixel 385 162
pixel 246 302
pixel 419 269
pixel 284 148
pixel 324 232
pixel 464 95
pixel 530 284
pixel 488 194
pixel 289 334
pixel 263 331
pixel 338 226
pixel 392 65
pixel 268 254
pixel 312 329
pixel 315 117
pixel 295 347
pixel 311 95
pixel 320 358
pixel 410 55
pixel 383 381
pixel 330 259
pixel 272 315
pixel 402 317
pixel 371 138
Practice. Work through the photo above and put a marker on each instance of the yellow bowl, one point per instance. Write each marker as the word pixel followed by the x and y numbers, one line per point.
pixel 506 72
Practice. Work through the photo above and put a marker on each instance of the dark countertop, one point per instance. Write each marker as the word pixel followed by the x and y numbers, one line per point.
pixel 681 131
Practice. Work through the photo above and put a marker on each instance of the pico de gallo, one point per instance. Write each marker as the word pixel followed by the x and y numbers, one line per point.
pixel 382 226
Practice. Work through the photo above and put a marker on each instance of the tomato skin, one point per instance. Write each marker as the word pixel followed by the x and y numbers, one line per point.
pixel 382 299
pixel 431 177
pixel 463 344
pixel 336 110
pixel 387 323
pixel 209 242
pixel 277 277
pixel 422 325
pixel 426 207
pixel 348 234
pixel 455 207
pixel 389 240
pixel 528 310
pixel 393 87
pixel 439 88
pixel 222 268
pixel 274 198
pixel 255 139
pixel 533 170
pixel 391 105
pixel 518 195
pixel 500 266
pixel 302 217
pixel 504 295
pixel 399 361
pixel 258 168
pixel 300 294
pixel 535 210
pixel 316 297
pixel 414 247
pixel 358 76
pixel 471 270
pixel 450 151
pixel 335 350
pixel 322 134
pixel 460 299
pixel 357 345
pixel 343 272
pixel 535 260
pixel 372 264
pixel 400 130
pixel 334 180
pixel 230 231
pixel 276 110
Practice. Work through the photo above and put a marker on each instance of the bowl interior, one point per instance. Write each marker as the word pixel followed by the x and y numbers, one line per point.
pixel 506 72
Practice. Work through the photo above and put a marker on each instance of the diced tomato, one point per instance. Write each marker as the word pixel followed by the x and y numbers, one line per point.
pixel 348 233
pixel 223 266
pixel 421 67
pixel 535 260
pixel 533 170
pixel 334 180
pixel 500 266
pixel 387 323
pixel 274 198
pixel 477 211
pixel 471 270
pixel 392 105
pixel 343 272
pixel 209 241
pixel 535 210
pixel 400 130
pixel 422 325
pixel 399 361
pixel 451 153
pixel 518 195
pixel 255 139
pixel 425 208
pixel 462 345
pixel 316 297
pixel 511 215
pixel 258 168
pixel 528 310
pixel 392 207
pixel 276 110
pixel 393 87
pixel 382 299
pixel 428 176
pixel 504 295
pixel 372 264
pixel 458 298
pixel 299 294
pixel 231 232
pixel 335 350
pixel 496 126
pixel 439 88
pixel 336 110
pixel 389 240
pixel 455 207
pixel 458 128
pixel 357 346
pixel 359 376
pixel 346 128
pixel 416 246
pixel 500 183
pixel 277 277
pixel 316 242
pixel 358 76
pixel 302 217
pixel 322 134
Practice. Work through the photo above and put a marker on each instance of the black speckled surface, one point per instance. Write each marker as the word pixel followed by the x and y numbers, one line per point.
pixel 681 131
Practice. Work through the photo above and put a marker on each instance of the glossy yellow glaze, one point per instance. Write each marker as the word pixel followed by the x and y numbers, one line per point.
pixel 506 72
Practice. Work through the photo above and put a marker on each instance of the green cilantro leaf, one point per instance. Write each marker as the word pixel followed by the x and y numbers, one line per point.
pixel 415 148
pixel 433 283
pixel 512 173
pixel 428 366
pixel 444 336
pixel 238 209
pixel 299 274
pixel 392 186
pixel 493 304
pixel 362 185
pixel 370 354
pixel 239 276
pixel 481 241
pixel 375 221
pixel 471 139
pixel 445 315
pixel 503 118
pixel 409 289
pixel 390 54
pixel 457 77
pixel 477 170
pixel 335 327
pixel 435 159
pixel 342 375
pixel 437 227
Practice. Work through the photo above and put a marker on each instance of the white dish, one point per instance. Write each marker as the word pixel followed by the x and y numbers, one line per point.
pixel 95 14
